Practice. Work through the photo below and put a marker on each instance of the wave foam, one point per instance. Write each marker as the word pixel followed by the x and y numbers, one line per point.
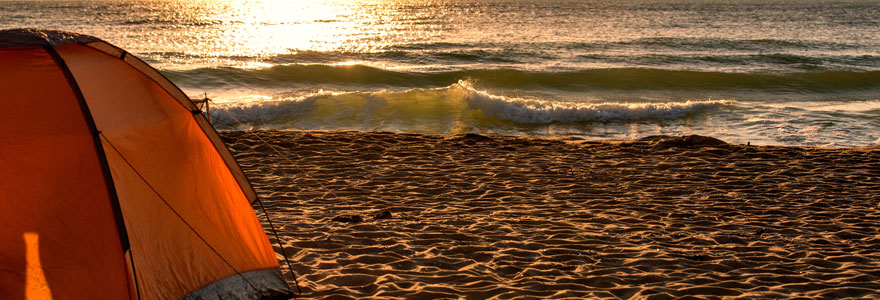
pixel 542 112
pixel 244 115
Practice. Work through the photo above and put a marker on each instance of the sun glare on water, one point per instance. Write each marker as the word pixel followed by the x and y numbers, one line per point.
pixel 268 28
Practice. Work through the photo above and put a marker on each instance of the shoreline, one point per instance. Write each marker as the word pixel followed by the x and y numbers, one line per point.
pixel 393 215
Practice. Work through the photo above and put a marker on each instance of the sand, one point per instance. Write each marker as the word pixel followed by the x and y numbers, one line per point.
pixel 406 216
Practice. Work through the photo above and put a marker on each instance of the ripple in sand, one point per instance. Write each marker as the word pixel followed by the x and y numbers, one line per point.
pixel 480 217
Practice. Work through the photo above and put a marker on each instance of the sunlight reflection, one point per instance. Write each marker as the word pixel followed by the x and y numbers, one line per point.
pixel 227 32
pixel 36 286
pixel 272 27
pixel 349 63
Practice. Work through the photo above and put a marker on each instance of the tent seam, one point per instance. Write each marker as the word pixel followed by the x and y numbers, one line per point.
pixel 229 165
pixel 102 156
pixel 191 228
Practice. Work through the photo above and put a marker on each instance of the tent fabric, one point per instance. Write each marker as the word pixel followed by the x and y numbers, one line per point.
pixel 119 181
pixel 28 37
pixel 250 285
pixel 177 94
pixel 71 246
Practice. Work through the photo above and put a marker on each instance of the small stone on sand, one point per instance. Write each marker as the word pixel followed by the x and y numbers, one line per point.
pixel 348 219
pixel 383 215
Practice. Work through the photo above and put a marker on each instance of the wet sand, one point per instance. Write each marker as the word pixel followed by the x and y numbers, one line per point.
pixel 407 216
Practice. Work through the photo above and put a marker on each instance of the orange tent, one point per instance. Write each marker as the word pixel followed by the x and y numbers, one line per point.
pixel 114 186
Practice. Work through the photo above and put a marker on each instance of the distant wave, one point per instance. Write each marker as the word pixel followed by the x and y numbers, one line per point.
pixel 455 108
pixel 494 57
pixel 661 52
pixel 691 44
pixel 622 79
pixel 174 21
pixel 730 44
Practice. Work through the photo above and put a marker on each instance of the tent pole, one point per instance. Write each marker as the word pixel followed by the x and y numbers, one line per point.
pixel 207 103
pixel 208 108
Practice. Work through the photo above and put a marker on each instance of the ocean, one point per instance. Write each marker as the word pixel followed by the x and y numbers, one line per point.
pixel 801 73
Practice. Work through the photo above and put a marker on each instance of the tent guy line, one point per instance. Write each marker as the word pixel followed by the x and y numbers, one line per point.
pixel 274 149
pixel 283 252
pixel 259 200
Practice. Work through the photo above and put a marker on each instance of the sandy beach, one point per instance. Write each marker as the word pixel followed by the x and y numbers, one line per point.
pixel 408 216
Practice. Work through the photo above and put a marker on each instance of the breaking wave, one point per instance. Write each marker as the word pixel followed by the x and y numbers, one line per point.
pixel 453 109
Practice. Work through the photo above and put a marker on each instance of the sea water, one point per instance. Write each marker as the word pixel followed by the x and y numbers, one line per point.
pixel 766 72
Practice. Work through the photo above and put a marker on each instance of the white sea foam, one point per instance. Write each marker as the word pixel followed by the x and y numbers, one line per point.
pixel 542 112
pixel 243 115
